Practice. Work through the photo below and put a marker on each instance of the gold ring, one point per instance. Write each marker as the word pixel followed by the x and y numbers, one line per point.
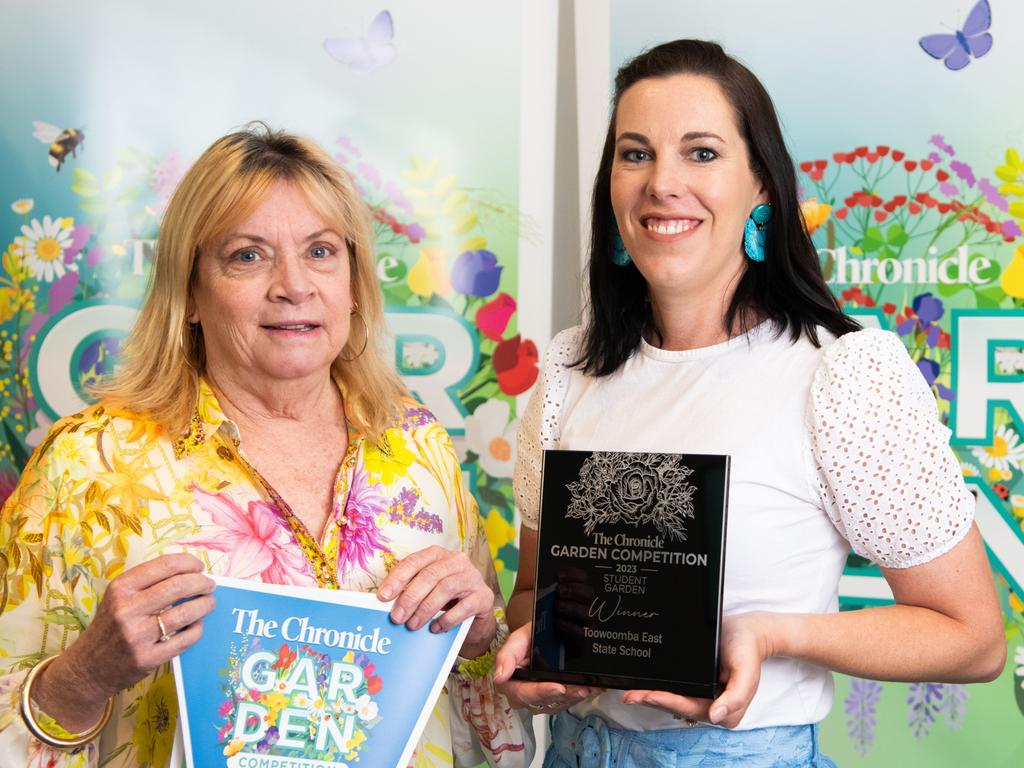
pixel 164 637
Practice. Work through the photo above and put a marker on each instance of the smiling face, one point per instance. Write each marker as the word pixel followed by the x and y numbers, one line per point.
pixel 682 187
pixel 272 295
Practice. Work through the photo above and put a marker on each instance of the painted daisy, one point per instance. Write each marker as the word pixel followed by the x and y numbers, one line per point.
pixel 1005 451
pixel 23 206
pixel 43 247
pixel 491 436
pixel 1018 659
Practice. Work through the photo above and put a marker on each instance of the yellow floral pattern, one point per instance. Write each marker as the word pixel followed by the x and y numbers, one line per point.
pixel 107 490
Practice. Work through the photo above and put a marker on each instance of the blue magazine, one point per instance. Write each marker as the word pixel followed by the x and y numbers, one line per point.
pixel 306 678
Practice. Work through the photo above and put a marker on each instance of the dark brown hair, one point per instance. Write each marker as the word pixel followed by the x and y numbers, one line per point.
pixel 787 287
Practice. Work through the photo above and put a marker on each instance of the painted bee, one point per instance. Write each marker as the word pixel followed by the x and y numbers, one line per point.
pixel 61 142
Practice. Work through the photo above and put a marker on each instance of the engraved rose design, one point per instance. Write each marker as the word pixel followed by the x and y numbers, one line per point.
pixel 635 488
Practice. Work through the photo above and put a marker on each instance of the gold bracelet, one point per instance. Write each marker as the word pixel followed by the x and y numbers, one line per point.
pixel 77 740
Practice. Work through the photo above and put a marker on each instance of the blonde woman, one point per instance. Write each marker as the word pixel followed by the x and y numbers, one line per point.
pixel 254 430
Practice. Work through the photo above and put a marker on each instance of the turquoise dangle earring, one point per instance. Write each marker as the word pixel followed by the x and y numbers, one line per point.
pixel 755 234
pixel 620 256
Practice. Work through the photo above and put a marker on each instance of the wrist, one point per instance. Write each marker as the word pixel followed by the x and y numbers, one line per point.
pixel 46 728
pixel 778 634
pixel 479 639
pixel 68 697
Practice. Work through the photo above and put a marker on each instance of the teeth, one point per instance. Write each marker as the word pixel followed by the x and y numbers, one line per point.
pixel 293 327
pixel 671 226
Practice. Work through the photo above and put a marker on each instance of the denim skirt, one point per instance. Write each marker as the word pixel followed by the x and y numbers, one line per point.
pixel 590 743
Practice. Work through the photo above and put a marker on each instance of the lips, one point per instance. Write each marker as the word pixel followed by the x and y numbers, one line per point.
pixel 298 326
pixel 662 225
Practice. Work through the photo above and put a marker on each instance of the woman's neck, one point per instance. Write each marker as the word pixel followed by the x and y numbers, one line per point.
pixel 255 405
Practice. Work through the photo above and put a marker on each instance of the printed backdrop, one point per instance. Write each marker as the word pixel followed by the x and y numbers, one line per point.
pixel 97 132
pixel 912 181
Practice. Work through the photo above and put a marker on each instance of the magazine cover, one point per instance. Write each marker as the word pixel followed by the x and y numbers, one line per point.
pixel 313 678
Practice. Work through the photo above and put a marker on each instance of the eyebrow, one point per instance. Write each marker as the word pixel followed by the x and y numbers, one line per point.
pixel 262 241
pixel 688 136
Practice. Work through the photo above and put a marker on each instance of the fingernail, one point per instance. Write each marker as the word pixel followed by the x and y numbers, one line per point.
pixel 435 628
pixel 384 593
pixel 718 713
pixel 398 616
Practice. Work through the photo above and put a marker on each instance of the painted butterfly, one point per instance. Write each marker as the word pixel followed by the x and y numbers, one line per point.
pixel 366 53
pixel 973 40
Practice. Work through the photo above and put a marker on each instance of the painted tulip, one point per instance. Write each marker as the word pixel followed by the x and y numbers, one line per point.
pixel 492 318
pixel 476 273
pixel 515 362
pixel 428 275
pixel 815 214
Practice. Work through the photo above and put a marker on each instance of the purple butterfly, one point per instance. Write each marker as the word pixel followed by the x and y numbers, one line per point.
pixel 973 40
pixel 364 54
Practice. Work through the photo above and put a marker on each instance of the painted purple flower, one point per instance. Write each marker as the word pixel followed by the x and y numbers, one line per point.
pixel 861 707
pixel 62 290
pixel 370 173
pixel 991 193
pixel 964 171
pixel 348 146
pixel 269 739
pixel 925 702
pixel 948 189
pixel 95 256
pixel 940 142
pixel 476 273
pixel 79 237
pixel 361 537
pixel 397 196
pixel 1010 228
pixel 935 157
pixel 930 370
pixel 928 308
pixel 166 175
pixel 955 705
pixel 415 231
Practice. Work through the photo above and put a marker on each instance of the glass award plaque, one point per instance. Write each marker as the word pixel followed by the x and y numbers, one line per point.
pixel 630 561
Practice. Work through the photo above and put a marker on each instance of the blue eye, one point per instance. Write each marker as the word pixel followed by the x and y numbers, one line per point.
pixel 704 155
pixel 247 256
pixel 320 252
pixel 636 155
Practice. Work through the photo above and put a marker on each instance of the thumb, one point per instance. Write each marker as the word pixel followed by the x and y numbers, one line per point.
pixel 514 653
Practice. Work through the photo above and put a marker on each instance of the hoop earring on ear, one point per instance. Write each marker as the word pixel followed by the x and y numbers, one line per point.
pixel 366 333
pixel 755 234
pixel 620 256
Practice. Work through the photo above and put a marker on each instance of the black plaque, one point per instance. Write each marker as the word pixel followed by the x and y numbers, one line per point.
pixel 630 559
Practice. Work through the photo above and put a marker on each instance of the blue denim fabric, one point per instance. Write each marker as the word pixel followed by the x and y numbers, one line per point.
pixel 590 743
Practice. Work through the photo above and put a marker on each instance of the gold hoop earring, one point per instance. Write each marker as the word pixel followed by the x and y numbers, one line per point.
pixel 366 335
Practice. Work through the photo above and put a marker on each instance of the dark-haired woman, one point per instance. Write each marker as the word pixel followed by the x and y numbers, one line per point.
pixel 711 330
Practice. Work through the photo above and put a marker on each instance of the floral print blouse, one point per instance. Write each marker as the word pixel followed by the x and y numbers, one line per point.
pixel 108 490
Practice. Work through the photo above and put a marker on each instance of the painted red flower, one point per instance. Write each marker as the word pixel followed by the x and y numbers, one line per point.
pixel 515 362
pixel 492 318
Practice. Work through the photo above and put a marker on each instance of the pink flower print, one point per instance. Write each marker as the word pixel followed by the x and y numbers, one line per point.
pixel 256 539
pixel 359 532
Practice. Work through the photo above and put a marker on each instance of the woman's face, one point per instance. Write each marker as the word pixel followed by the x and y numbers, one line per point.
pixel 272 296
pixel 681 186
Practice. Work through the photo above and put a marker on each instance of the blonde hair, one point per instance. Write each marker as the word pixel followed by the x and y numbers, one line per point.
pixel 163 357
